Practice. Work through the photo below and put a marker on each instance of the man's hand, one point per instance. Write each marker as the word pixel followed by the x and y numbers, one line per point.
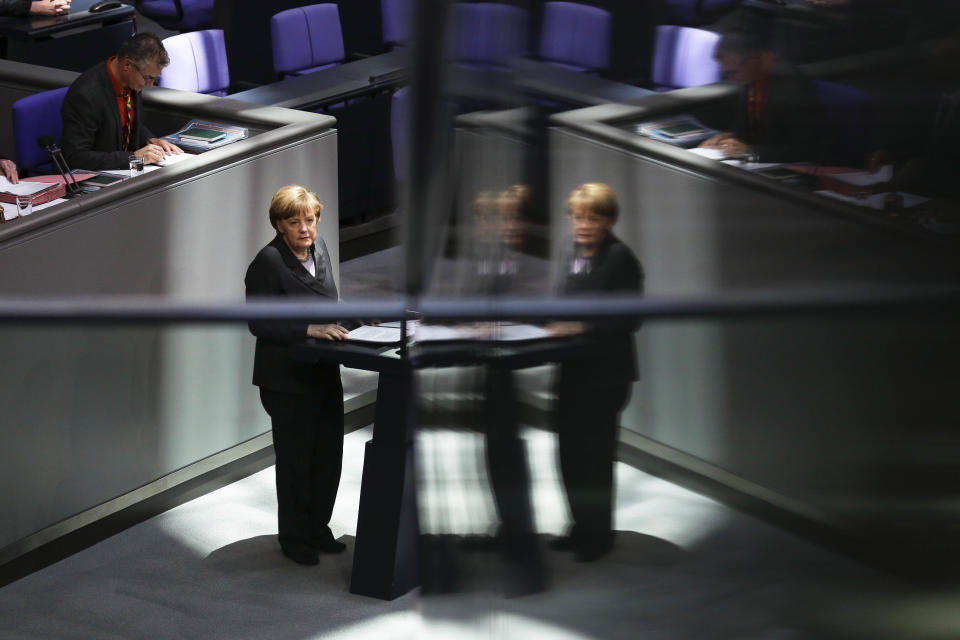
pixel 49 7
pixel 563 329
pixel 168 147
pixel 714 141
pixel 728 144
pixel 151 154
pixel 9 169
pixel 326 331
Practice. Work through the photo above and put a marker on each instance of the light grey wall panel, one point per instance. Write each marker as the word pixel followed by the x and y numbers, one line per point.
pixel 835 410
pixel 93 412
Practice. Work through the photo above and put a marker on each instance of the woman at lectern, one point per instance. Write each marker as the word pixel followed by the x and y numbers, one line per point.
pixel 304 401
pixel 593 387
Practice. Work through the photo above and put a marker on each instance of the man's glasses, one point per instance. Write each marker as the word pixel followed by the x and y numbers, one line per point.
pixel 146 78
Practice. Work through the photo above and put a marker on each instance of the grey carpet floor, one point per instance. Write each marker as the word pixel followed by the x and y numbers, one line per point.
pixel 684 566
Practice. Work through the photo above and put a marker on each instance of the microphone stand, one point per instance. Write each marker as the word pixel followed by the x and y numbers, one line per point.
pixel 73 189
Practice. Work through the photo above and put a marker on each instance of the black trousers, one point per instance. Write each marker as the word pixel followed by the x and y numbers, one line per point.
pixel 586 418
pixel 507 462
pixel 308 441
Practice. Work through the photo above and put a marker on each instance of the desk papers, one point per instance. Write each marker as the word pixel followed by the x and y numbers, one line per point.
pixel 373 333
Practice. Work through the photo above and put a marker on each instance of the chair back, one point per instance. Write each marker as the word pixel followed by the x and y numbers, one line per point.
pixel 395 21
pixel 178 15
pixel 198 63
pixel 697 12
pixel 846 113
pixel 575 36
pixel 306 39
pixel 487 34
pixel 683 57
pixel 400 131
pixel 35 116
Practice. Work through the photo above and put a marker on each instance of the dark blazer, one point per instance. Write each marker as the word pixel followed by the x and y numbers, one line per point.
pixel 92 133
pixel 14 7
pixel 790 125
pixel 614 269
pixel 275 271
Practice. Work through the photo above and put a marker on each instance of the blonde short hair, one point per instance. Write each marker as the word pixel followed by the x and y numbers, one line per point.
pixel 596 197
pixel 290 201
pixel 518 197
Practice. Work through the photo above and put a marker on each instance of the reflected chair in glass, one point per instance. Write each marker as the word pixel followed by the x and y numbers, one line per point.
pixel 683 57
pixel 575 36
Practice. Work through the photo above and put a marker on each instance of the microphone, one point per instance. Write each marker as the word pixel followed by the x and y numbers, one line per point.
pixel 47 142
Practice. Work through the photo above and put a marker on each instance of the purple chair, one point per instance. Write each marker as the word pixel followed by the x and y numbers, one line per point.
pixel 400 130
pixel 487 35
pixel 35 116
pixel 395 21
pixel 306 39
pixel 575 36
pixel 178 15
pixel 847 117
pixel 683 57
pixel 198 63
pixel 697 12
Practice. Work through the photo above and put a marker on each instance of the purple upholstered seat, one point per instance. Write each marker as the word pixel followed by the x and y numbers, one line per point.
pixel 683 57
pixel 198 63
pixel 306 39
pixel 486 35
pixel 575 36
pixel 178 15
pixel 400 130
pixel 847 120
pixel 35 116
pixel 395 21
pixel 697 12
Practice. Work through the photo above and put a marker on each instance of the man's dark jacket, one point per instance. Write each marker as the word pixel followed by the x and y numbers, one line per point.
pixel 92 134
pixel 14 7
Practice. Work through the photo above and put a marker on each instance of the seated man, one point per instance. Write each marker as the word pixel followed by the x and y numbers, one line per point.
pixel 778 117
pixel 102 112
pixel 34 8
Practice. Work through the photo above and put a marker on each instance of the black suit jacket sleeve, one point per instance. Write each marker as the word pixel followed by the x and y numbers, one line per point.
pixel 276 273
pixel 615 270
pixel 14 7
pixel 91 123
pixel 265 278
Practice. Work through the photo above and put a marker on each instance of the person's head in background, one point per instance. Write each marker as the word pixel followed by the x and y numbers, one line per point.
pixel 593 210
pixel 295 214
pixel 513 212
pixel 485 215
pixel 745 57
pixel 140 60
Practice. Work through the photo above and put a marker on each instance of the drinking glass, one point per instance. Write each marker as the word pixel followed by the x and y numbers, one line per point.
pixel 24 205
pixel 136 165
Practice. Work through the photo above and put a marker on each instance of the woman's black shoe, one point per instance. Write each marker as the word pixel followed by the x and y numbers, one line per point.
pixel 302 557
pixel 329 545
pixel 563 543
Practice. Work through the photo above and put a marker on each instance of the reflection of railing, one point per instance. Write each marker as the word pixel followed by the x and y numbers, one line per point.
pixel 121 309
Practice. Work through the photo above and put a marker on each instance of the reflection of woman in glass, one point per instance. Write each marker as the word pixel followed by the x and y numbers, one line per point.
pixel 591 389
pixel 304 401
